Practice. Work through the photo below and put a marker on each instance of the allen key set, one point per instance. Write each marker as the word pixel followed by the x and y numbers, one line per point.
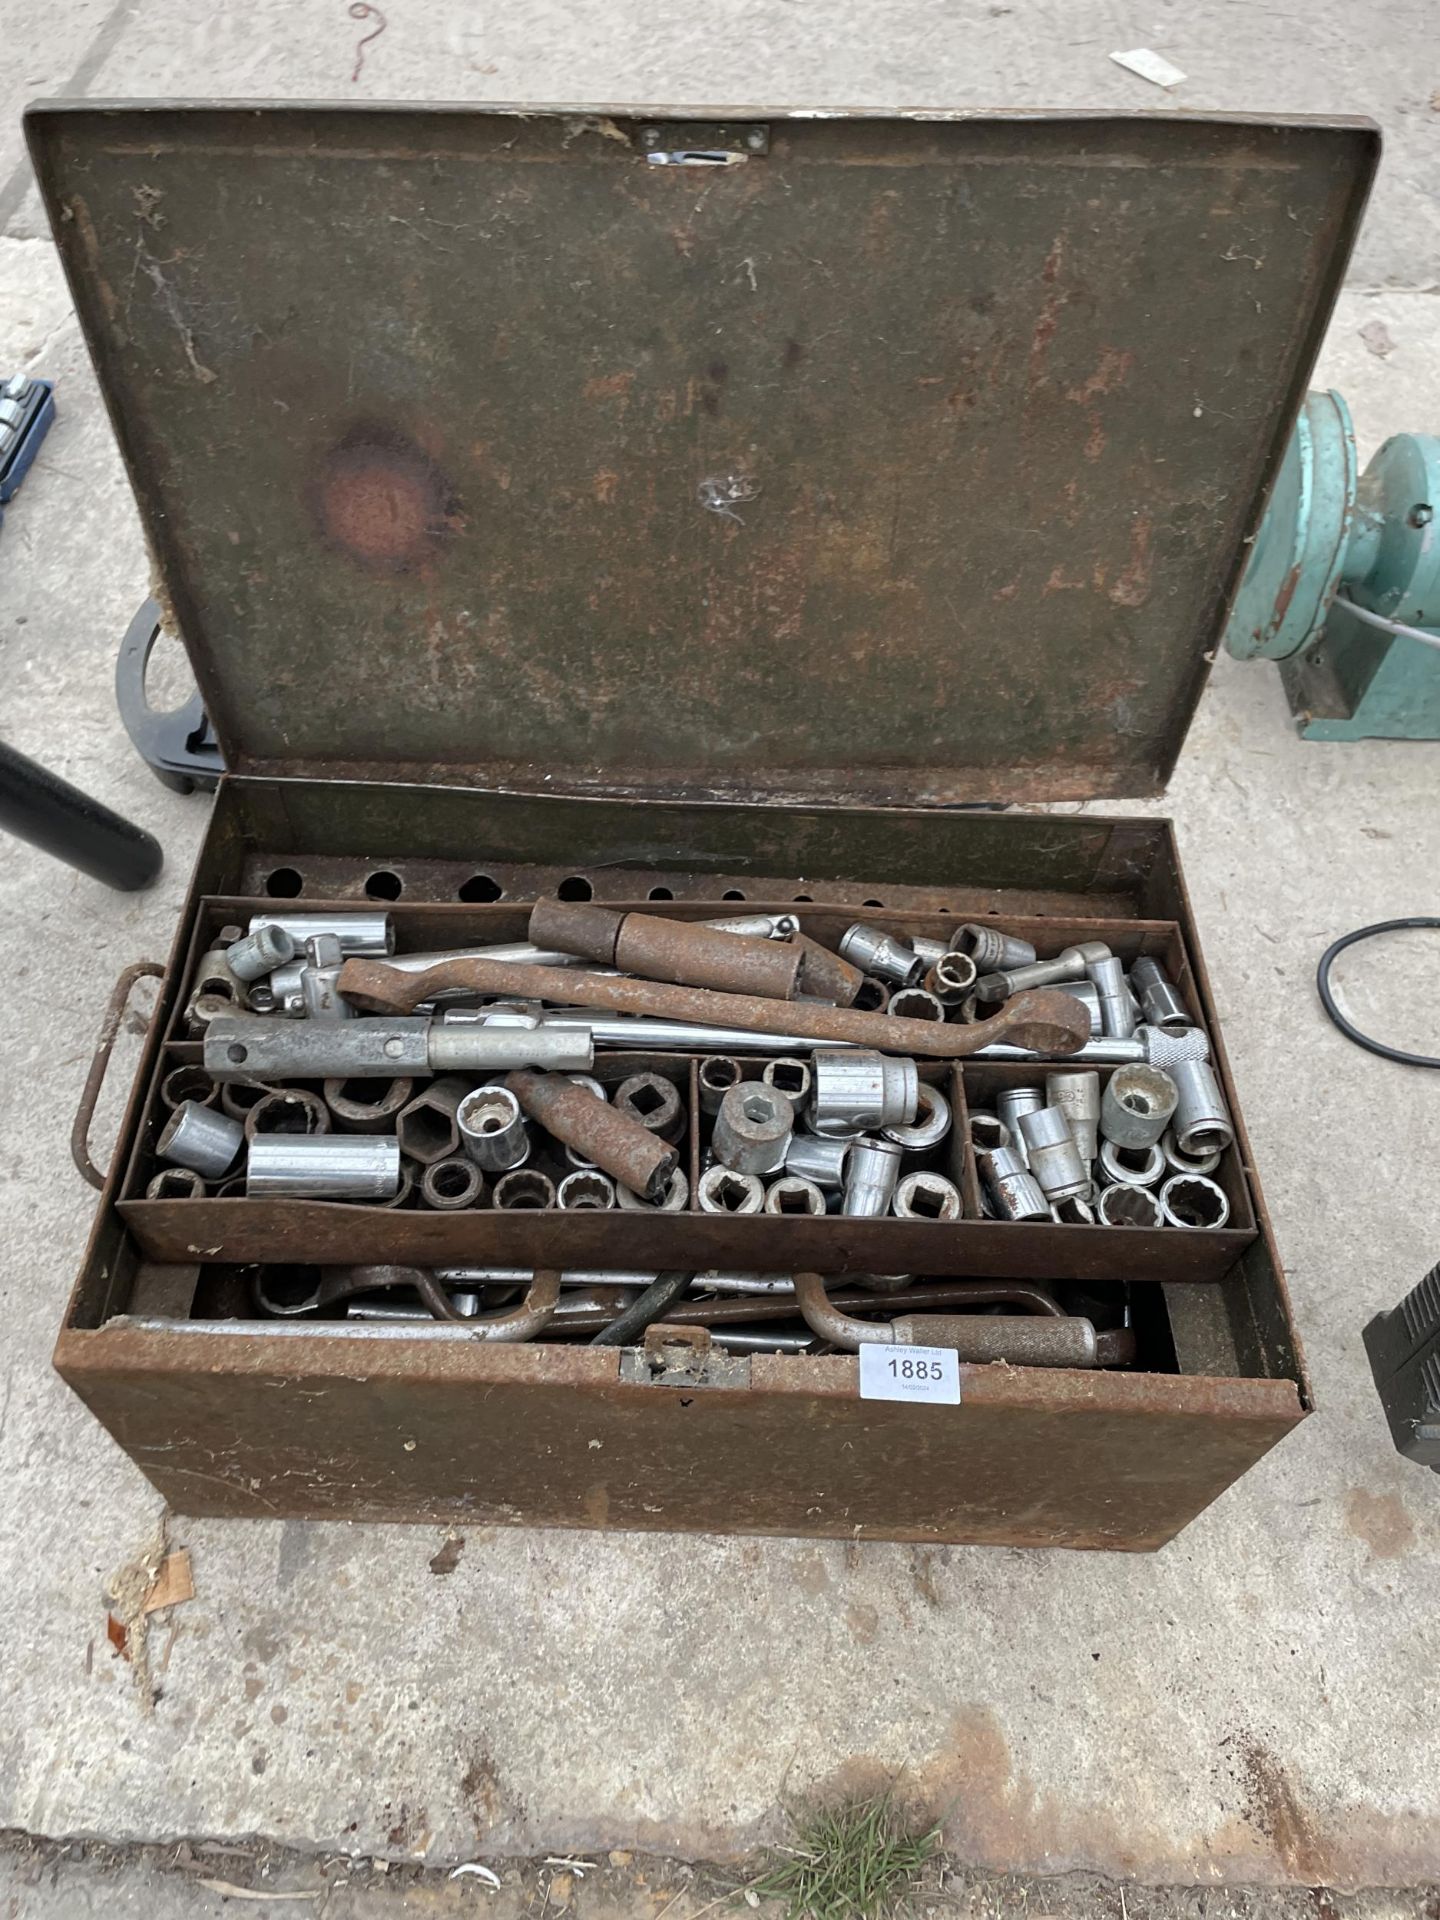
pixel 632 983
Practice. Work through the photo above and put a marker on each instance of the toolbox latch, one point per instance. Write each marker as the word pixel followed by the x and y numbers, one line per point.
pixel 703 143
pixel 675 1356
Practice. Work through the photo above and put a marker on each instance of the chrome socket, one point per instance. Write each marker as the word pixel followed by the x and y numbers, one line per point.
pixel 1053 1154
pixel 675 1198
pixel 320 996
pixel 1013 1189
pixel 793 1195
pixel 587 1190
pixel 358 933
pixel 881 954
pixel 1119 1014
pixel 915 1003
pixel 1137 1106
pixel 951 978
pixel 492 1129
pixel 722 1190
pixel 255 954
pixel 930 1125
pixel 524 1190
pixel 1202 1120
pixel 926 1196
pixel 323 1166
pixel 1010 1104
pixel 1192 1200
pixel 1167 1050
pixel 752 1129
pixel 451 1185
pixel 1078 1097
pixel 200 1139
pixel 1179 1162
pixel 988 1133
pixel 871 1177
pixel 1075 1211
pixel 1131 1166
pixel 718 1075
pixel 1088 994
pixel 1159 1002
pixel 1070 964
pixel 991 950
pixel 176 1183
pixel 820 1161
pixel 859 1090
pixel 791 1079
pixel 1124 1205
pixel 928 950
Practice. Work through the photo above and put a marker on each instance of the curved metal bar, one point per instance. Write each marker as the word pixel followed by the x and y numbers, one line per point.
pixel 1048 1339
pixel 95 1078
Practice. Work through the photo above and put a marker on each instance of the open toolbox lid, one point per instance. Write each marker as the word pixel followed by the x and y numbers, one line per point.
pixel 762 455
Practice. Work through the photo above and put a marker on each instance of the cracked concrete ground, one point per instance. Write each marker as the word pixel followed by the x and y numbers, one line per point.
pixel 1253 1704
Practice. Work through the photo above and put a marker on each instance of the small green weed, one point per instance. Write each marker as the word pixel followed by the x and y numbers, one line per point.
pixel 852 1862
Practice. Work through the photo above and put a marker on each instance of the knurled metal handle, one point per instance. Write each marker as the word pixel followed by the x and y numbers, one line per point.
pixel 95 1079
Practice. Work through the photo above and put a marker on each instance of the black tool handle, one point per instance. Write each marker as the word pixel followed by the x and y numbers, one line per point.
pixel 47 811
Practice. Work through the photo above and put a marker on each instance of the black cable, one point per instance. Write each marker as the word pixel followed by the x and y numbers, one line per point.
pixel 1327 998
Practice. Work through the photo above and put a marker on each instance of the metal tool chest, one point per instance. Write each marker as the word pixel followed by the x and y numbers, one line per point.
pixel 730 508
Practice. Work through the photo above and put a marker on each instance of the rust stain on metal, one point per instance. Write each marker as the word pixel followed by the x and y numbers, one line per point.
pixel 1132 588
pixel 824 975
pixel 1046 1019
pixel 564 926
pixel 687 954
pixel 618 1144
pixel 381 499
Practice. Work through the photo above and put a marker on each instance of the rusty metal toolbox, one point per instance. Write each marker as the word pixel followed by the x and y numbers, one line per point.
pixel 744 507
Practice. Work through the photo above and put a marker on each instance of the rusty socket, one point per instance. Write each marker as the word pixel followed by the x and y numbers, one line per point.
pixel 654 1101
pixel 188 1083
pixel 718 1074
pixel 688 954
pixel 287 1110
pixel 617 1144
pixel 566 926
pixel 525 1190
pixel 368 1106
pixel 451 1184
pixel 426 1128
pixel 824 975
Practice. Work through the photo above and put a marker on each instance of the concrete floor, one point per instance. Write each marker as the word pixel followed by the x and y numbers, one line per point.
pixel 1251 1704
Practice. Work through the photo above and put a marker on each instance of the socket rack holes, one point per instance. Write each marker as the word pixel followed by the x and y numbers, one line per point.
pixel 984 1079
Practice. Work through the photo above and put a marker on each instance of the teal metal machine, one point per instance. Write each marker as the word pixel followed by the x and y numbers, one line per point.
pixel 1343 585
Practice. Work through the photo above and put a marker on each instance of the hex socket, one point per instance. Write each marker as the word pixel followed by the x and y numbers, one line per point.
pixel 859 1090
pixel 791 1079
pixel 1202 1120
pixel 1013 1188
pixel 1179 1161
pixel 820 1161
pixel 1077 1094
pixel 188 1083
pixel 792 1195
pixel 674 1198
pixel 1129 1206
pixel 951 978
pixel 358 933
pixel 926 1196
pixel 324 1166
pixel 255 954
pixel 201 1139
pixel 1010 1104
pixel 1131 1166
pixel 654 1102
pixel 931 1122
pixel 615 1143
pixel 587 1190
pixel 1138 1104
pixel 991 950
pixel 1159 1001
pixel 871 1177
pixel 368 1106
pixel 452 1184
pixel 492 1129
pixel 1119 1015
pixel 915 1003
pixel 723 1190
pixel 824 975
pixel 881 954
pixel 872 995
pixel 524 1190
pixel 717 1075
pixel 176 1183
pixel 1193 1200
pixel 752 1129
pixel 1053 1154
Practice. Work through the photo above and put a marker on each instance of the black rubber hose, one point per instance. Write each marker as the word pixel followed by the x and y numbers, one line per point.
pixel 1327 998
pixel 661 1294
